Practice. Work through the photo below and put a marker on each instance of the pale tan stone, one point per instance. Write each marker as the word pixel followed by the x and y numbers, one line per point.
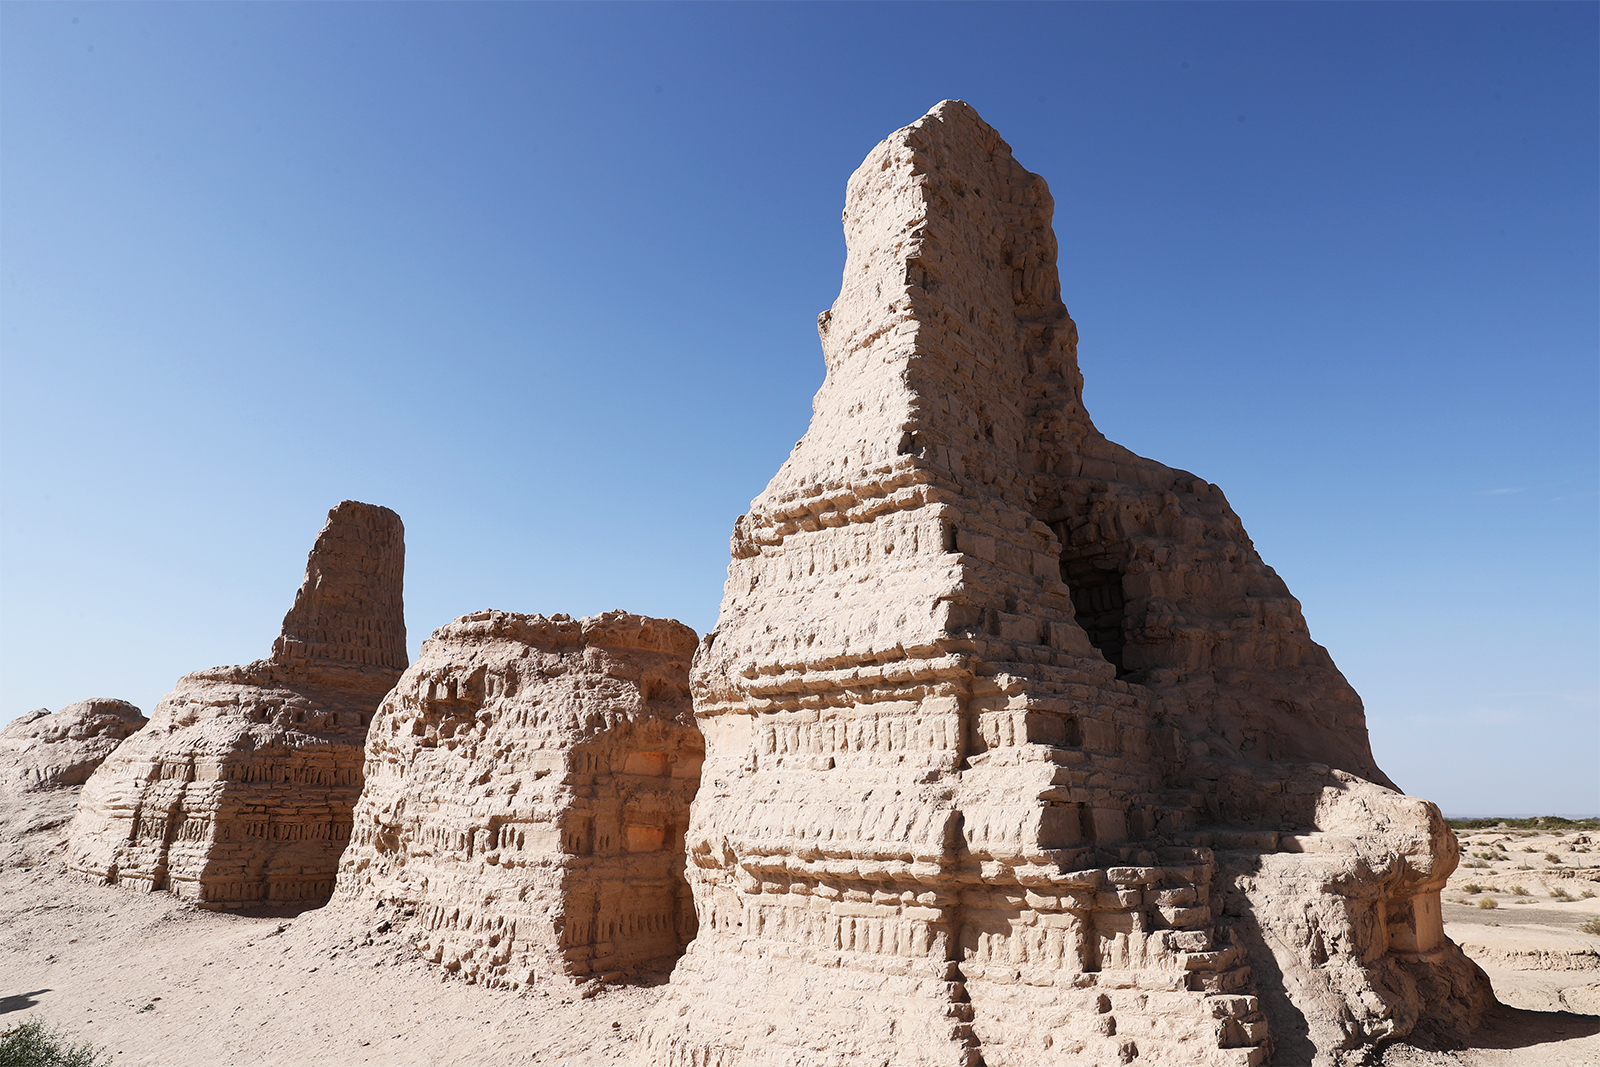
pixel 44 751
pixel 239 791
pixel 527 792
pixel 1017 753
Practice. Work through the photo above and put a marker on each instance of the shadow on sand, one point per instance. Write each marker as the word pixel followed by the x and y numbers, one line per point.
pixel 1506 1027
pixel 20 1001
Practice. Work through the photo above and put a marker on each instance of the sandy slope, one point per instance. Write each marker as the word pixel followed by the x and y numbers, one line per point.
pixel 158 982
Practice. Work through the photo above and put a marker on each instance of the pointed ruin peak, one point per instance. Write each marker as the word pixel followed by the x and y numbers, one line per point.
pixel 350 607
pixel 949 116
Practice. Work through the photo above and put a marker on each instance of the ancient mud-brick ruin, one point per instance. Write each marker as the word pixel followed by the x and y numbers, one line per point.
pixel 44 751
pixel 240 790
pixel 527 792
pixel 1017 753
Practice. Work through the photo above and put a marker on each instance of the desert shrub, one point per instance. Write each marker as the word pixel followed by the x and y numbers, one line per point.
pixel 1488 902
pixel 1474 864
pixel 35 1045
pixel 1518 891
pixel 1590 927
pixel 1586 894
pixel 1473 888
pixel 1551 857
pixel 1548 822
pixel 1559 893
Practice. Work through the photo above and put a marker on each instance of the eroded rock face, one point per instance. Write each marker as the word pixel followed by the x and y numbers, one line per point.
pixel 527 792
pixel 239 791
pixel 1017 753
pixel 44 751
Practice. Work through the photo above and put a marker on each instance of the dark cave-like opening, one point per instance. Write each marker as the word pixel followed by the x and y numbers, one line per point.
pixel 1097 600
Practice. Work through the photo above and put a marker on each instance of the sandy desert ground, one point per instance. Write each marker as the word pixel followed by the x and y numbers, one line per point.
pixel 156 981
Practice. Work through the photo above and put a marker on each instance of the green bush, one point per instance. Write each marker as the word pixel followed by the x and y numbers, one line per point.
pixel 34 1045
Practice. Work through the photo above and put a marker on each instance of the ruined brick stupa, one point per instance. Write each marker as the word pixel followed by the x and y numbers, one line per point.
pixel 527 792
pixel 240 789
pixel 1017 753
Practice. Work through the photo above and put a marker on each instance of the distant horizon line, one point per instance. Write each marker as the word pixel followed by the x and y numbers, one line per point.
pixel 1531 815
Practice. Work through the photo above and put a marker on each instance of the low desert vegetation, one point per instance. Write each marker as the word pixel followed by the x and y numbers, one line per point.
pixel 1590 927
pixel 35 1045
pixel 1549 823
pixel 1488 902
pixel 1551 857
pixel 1560 894
pixel 1472 889
pixel 1519 891
pixel 1586 894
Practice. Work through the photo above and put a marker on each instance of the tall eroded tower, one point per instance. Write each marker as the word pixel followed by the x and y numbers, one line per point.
pixel 1017 753
pixel 240 790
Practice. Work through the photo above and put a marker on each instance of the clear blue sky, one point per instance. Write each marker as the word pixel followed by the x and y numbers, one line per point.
pixel 544 279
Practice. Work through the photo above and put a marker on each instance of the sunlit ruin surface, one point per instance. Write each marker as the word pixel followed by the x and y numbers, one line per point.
pixel 1017 753
pixel 527 792
pixel 40 751
pixel 239 791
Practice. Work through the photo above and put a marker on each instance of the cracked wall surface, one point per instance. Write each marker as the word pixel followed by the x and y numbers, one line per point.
pixel 1017 752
